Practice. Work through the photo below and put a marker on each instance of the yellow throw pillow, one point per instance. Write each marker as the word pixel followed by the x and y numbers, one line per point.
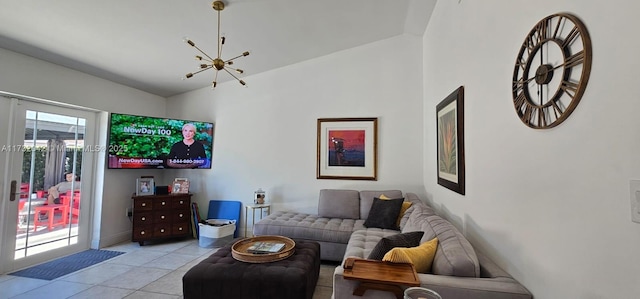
pixel 405 206
pixel 421 257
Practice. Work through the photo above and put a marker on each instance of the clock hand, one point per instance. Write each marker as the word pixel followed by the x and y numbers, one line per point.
pixel 545 72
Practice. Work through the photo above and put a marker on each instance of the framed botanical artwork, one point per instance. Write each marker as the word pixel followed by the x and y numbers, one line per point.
pixel 347 148
pixel 144 186
pixel 450 130
pixel 180 185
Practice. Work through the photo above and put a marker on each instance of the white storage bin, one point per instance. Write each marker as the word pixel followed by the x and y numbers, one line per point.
pixel 218 234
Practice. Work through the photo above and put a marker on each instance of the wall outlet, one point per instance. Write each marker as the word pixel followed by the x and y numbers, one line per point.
pixel 128 212
pixel 635 200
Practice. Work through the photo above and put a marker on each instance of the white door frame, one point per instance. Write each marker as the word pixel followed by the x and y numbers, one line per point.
pixel 12 170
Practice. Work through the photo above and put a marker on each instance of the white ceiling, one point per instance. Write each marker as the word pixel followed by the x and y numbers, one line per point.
pixel 139 43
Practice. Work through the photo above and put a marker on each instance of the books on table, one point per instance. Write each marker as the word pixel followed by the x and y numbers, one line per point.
pixel 265 247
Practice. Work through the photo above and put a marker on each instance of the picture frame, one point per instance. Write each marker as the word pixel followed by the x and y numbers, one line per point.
pixel 180 186
pixel 145 186
pixel 347 148
pixel 450 141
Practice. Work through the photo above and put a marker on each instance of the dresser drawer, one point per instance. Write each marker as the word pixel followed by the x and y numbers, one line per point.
pixel 162 203
pixel 163 216
pixel 180 216
pixel 181 203
pixel 143 204
pixel 160 231
pixel 180 228
pixel 142 218
pixel 142 233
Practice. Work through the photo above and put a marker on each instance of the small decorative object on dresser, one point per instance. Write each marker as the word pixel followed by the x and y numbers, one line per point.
pixel 144 186
pixel 180 186
pixel 161 216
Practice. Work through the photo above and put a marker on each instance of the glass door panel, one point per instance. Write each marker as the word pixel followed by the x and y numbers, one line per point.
pixel 49 216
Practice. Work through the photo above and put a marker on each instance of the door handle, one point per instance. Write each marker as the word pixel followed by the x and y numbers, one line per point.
pixel 12 195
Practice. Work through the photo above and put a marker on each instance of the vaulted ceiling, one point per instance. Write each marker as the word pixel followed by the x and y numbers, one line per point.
pixel 139 43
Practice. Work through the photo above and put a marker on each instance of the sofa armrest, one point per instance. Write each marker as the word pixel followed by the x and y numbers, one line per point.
pixel 449 287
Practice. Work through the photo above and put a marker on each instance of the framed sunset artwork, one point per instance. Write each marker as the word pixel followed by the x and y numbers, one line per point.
pixel 450 130
pixel 347 148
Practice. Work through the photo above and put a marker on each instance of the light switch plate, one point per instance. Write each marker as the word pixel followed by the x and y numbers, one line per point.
pixel 635 200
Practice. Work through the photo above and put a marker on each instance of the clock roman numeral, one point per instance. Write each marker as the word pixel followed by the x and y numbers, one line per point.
pixel 575 59
pixel 560 22
pixel 569 88
pixel 542 120
pixel 573 34
pixel 557 111
pixel 522 63
pixel 519 101
pixel 541 30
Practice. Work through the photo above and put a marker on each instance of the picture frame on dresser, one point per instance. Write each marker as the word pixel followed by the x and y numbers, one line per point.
pixel 450 141
pixel 145 186
pixel 180 186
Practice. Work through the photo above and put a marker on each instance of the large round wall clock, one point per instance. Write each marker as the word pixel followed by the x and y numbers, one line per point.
pixel 551 71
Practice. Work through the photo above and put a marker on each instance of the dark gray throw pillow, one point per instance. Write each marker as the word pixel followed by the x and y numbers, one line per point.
pixel 384 213
pixel 407 240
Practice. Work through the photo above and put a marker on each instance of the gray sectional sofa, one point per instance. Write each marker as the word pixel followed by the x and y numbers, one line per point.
pixel 458 270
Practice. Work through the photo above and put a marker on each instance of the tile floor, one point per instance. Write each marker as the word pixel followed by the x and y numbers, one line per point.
pixel 150 271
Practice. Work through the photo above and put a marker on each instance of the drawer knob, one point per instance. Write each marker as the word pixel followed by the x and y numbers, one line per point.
pixel 163 203
pixel 180 215
pixel 142 232
pixel 181 202
pixel 162 230
pixel 180 228
pixel 162 217
pixel 143 218
pixel 144 204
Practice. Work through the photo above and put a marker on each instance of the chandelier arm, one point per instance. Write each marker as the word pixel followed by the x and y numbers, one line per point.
pixel 203 53
pixel 234 58
pixel 232 75
pixel 214 83
pixel 202 70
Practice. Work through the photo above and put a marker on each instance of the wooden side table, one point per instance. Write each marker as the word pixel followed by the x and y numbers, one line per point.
pixel 253 208
pixel 379 275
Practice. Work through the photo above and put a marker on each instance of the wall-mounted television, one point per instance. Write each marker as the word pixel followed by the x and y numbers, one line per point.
pixel 153 142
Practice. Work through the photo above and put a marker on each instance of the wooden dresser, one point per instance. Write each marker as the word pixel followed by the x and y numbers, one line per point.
pixel 161 216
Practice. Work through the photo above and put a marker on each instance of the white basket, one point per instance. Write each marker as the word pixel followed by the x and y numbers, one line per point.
pixel 216 236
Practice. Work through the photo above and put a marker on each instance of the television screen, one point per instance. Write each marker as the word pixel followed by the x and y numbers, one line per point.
pixel 153 142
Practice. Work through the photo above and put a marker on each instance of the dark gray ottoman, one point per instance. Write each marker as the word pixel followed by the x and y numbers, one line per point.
pixel 222 276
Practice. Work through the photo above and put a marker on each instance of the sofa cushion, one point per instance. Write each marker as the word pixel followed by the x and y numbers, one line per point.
pixel 385 244
pixel 363 241
pixel 455 255
pixel 307 226
pixel 339 203
pixel 421 256
pixel 384 213
pixel 417 221
pixel 403 209
pixel 366 199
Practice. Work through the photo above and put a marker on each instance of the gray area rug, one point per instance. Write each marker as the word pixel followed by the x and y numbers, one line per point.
pixel 68 264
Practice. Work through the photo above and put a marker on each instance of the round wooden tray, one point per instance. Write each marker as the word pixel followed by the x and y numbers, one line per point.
pixel 239 249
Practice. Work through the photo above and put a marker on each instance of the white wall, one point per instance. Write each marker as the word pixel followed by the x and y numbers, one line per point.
pixel 31 77
pixel 265 135
pixel 550 206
